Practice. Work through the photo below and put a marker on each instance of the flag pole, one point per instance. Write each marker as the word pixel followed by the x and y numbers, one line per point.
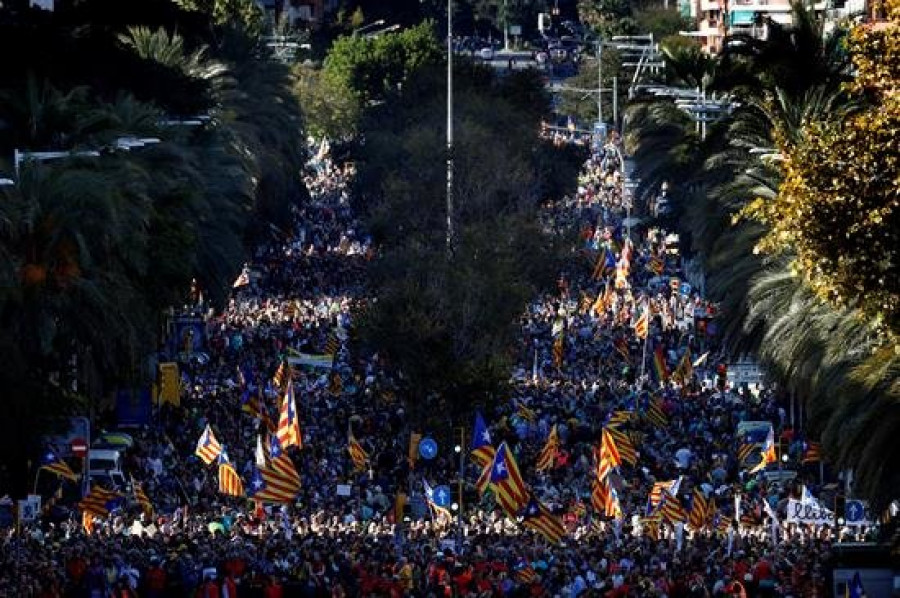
pixel 644 354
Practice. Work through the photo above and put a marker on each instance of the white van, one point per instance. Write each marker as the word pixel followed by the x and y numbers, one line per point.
pixel 105 466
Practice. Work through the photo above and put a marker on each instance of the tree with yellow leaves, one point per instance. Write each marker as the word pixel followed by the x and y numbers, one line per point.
pixel 837 210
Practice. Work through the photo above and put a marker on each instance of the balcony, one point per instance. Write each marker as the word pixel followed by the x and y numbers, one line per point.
pixel 760 5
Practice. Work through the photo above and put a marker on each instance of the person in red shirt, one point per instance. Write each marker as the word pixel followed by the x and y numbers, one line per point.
pixel 273 589
pixel 155 580
pixel 209 589
pixel 235 566
pixel 463 580
pixel 764 577
pixel 740 569
pixel 229 587
pixel 76 568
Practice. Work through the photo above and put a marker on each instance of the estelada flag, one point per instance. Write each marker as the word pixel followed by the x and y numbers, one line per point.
pixel 208 448
pixel 482 448
pixel 539 518
pixel 507 482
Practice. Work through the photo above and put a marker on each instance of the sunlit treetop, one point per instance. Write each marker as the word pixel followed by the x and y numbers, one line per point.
pixel 838 207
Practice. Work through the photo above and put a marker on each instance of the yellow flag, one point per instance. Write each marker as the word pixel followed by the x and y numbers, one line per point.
pixel 169 383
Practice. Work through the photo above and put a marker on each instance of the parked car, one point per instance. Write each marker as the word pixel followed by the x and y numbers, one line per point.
pixel 105 465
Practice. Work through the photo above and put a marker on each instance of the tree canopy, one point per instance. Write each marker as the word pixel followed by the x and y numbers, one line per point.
pixel 789 203
pixel 96 247
pixel 447 323
pixel 838 208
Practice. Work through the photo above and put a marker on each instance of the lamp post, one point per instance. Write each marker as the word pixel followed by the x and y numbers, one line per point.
pixel 450 231
pixel 600 82
pixel 459 449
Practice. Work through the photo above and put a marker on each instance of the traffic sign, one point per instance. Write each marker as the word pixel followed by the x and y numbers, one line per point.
pixel 428 448
pixel 79 447
pixel 442 496
pixel 857 512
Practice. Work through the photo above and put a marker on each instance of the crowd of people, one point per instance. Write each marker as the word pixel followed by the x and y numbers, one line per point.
pixel 582 359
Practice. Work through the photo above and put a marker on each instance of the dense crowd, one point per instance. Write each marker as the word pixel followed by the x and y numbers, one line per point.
pixel 580 362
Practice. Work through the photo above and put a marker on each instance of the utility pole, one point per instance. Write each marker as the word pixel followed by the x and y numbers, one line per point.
pixel 615 94
pixel 505 25
pixel 450 232
pixel 462 475
pixel 600 81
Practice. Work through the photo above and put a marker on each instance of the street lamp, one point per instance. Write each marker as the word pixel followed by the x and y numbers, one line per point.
pixel 126 143
pixel 457 507
pixel 121 143
pixel 378 32
pixel 21 156
pixel 369 26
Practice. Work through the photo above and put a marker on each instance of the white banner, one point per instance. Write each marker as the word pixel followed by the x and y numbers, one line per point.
pixel 312 360
pixel 808 513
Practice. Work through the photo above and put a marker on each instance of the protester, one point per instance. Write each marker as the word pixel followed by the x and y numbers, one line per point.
pixel 581 360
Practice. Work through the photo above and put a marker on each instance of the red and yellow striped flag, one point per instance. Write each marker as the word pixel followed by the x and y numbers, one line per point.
pixel 559 351
pixel 599 493
pixel 358 454
pixel 141 498
pixel 642 324
pixel 604 300
pixel 230 482
pixel 623 444
pixel 539 518
pixel 507 482
pixel 699 509
pixel 548 454
pixel 58 467
pixel 288 420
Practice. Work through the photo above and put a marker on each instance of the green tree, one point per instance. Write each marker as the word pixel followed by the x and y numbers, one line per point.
pixel 448 324
pixel 371 67
pixel 607 17
pixel 94 249
pixel 661 22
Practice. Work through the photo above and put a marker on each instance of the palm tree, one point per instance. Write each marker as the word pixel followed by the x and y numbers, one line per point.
pixel 254 103
pixel 830 356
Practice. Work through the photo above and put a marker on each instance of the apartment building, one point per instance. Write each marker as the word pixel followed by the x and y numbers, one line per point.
pixel 716 19
pixel 304 14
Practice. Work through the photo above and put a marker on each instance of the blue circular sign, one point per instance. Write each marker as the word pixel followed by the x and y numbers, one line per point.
pixel 428 448
pixel 442 496
pixel 855 511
